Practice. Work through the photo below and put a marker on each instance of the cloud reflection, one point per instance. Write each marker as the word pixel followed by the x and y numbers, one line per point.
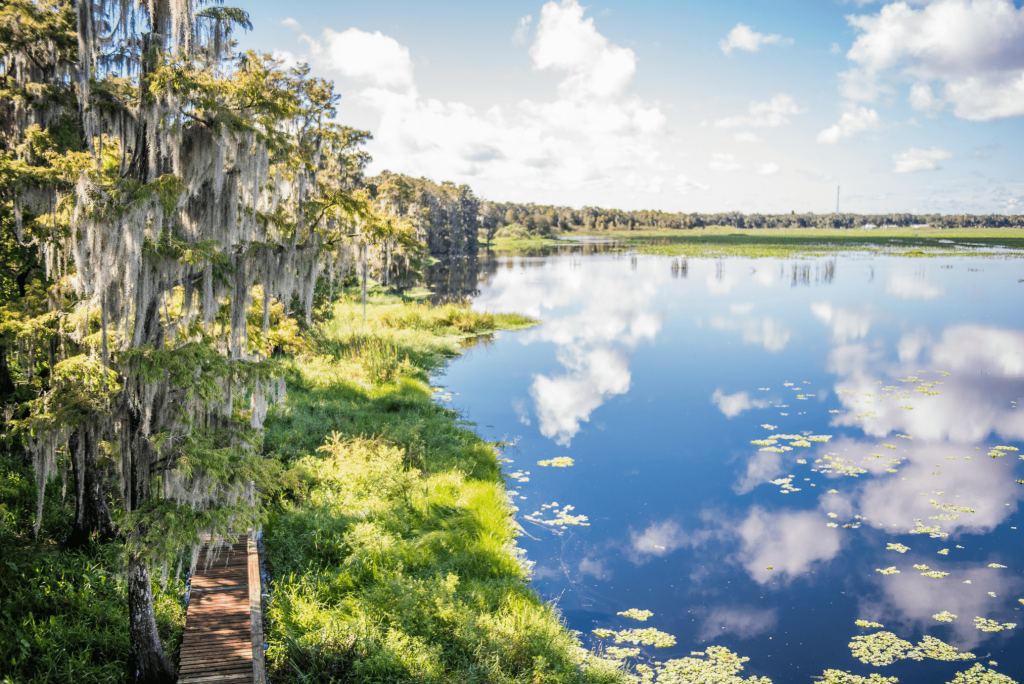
pixel 733 405
pixel 770 333
pixel 745 623
pixel 614 313
pixel 790 542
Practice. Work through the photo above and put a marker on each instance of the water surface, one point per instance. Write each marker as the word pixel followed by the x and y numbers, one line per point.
pixel 655 375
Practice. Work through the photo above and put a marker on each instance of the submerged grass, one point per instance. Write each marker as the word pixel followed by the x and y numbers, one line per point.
pixel 719 241
pixel 394 558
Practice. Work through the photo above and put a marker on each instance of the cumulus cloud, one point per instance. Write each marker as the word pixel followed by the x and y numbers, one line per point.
pixel 762 467
pixel 906 286
pixel 743 37
pixel 919 160
pixel 770 114
pixel 733 405
pixel 923 99
pixel 565 401
pixel 971 48
pixel 568 42
pixel 583 140
pixel 745 623
pixel 658 539
pixel 973 403
pixel 290 23
pixel 789 542
pixel 853 121
pixel 724 162
pixel 522 29
pixel 373 57
pixel 613 314
pixel 846 325
pixel 770 333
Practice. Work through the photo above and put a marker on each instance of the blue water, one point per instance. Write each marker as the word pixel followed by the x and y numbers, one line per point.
pixel 654 376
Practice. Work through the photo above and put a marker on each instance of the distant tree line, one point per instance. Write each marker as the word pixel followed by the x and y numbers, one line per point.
pixel 451 219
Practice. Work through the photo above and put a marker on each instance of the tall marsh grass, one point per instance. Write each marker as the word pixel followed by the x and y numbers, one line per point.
pixel 394 560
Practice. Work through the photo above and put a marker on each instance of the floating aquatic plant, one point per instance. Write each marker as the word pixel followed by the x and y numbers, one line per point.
pixel 868 625
pixel 979 675
pixel 996 565
pixel 991 625
pixel 880 648
pixel 636 614
pixel 943 552
pixel 891 570
pixel 649 636
pixel 944 616
pixel 935 574
pixel 721 667
pixel 897 547
pixel 840 677
pixel 557 462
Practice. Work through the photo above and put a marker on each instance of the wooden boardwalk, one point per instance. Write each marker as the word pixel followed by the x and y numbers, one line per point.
pixel 223 641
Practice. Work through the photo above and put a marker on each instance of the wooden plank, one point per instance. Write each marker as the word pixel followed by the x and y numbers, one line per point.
pixel 223 640
pixel 256 609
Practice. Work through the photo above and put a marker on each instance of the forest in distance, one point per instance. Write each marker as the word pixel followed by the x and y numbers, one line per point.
pixel 452 220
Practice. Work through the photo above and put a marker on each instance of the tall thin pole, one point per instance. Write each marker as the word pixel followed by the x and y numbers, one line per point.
pixel 837 199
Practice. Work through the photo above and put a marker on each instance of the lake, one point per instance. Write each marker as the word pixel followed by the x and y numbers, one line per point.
pixel 765 451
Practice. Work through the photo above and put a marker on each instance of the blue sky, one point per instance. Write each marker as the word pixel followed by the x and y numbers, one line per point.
pixel 753 106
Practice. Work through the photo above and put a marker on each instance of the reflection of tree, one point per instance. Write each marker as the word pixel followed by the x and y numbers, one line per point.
pixel 459 277
pixel 453 279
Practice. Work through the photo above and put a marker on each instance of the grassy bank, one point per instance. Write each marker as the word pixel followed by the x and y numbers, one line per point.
pixel 723 241
pixel 393 558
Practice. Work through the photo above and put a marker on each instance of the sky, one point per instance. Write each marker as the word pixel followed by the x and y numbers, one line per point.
pixel 766 106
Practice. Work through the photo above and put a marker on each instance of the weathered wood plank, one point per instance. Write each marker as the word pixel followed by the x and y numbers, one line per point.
pixel 223 640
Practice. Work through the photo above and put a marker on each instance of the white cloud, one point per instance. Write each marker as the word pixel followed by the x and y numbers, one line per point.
pixel 768 169
pixel 923 99
pixel 973 402
pixel 770 114
pixel 743 37
pixel 522 413
pixel 658 539
pixel 373 57
pixel 745 623
pixel 746 137
pixel 287 59
pixel 687 185
pixel 972 47
pixel 762 467
pixel 770 333
pixel 919 160
pixel 788 542
pixel 565 401
pixel 291 23
pixel 846 325
pixel 906 286
pixel 583 141
pixel 854 121
pixel 733 405
pixel 724 162
pixel 568 42
pixel 522 29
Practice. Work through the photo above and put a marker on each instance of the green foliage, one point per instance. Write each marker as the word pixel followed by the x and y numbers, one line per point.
pixel 393 556
pixel 64 615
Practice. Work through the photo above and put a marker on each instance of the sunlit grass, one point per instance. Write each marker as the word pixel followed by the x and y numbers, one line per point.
pixel 394 557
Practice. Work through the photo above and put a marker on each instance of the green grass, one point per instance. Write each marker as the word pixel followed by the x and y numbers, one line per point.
pixel 718 241
pixel 394 558
pixel 63 614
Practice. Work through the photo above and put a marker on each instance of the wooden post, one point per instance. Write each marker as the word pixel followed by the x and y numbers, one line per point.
pixel 259 671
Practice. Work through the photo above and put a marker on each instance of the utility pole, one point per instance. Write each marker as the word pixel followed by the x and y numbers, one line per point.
pixel 837 198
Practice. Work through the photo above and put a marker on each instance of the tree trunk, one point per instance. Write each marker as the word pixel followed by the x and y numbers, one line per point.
pixel 147 663
pixel 91 513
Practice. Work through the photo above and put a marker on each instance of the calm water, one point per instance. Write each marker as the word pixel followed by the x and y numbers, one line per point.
pixel 655 376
